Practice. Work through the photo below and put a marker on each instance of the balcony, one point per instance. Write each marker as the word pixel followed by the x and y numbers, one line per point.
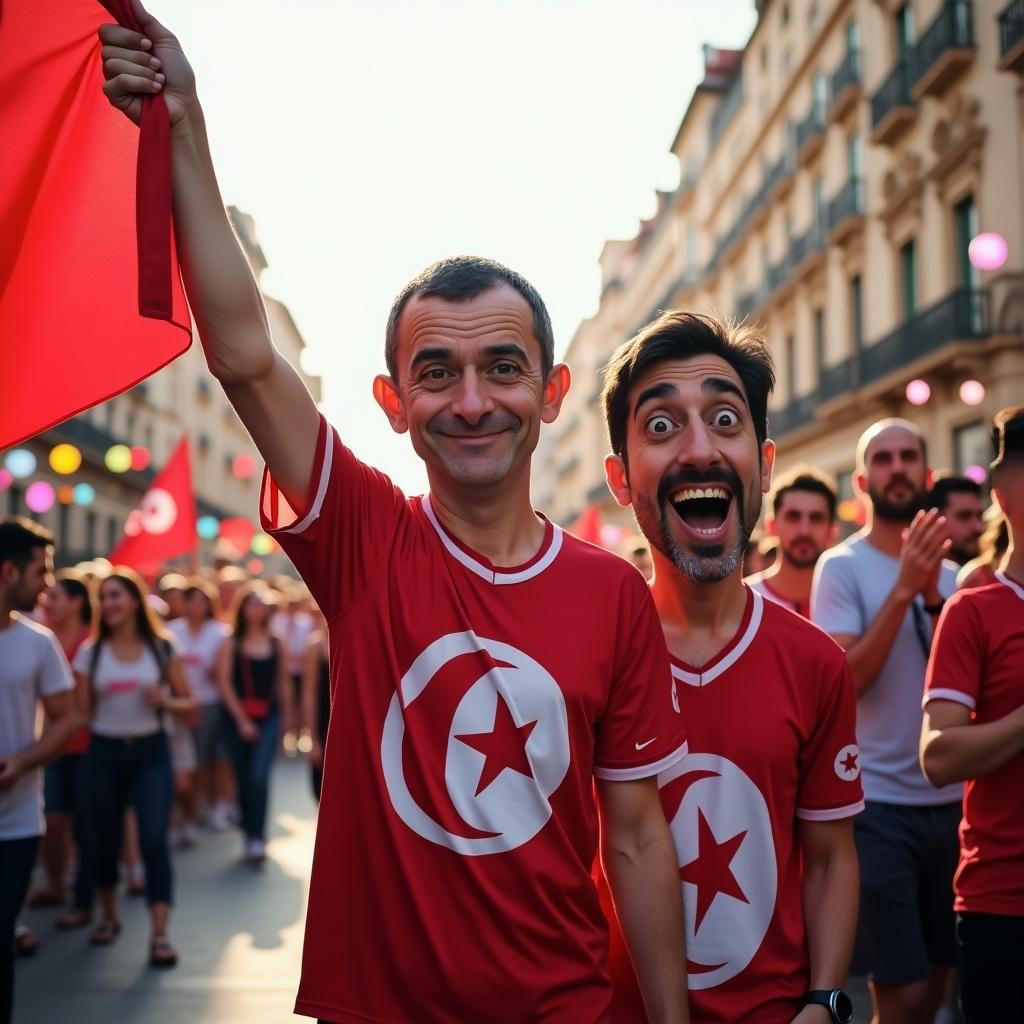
pixel 945 49
pixel 725 111
pixel 963 315
pixel 746 304
pixel 844 87
pixel 846 212
pixel 780 177
pixel 810 135
pixel 779 273
pixel 892 109
pixel 798 413
pixel 1011 37
pixel 839 379
pixel 807 250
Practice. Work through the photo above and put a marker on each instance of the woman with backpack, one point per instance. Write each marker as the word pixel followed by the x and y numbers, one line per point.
pixel 133 679
pixel 252 676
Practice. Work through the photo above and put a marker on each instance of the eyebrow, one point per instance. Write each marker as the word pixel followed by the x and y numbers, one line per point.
pixel 709 385
pixel 427 355
pixel 653 393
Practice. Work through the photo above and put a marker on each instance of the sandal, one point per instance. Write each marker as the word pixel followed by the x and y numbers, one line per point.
pixel 105 933
pixel 71 919
pixel 25 941
pixel 161 952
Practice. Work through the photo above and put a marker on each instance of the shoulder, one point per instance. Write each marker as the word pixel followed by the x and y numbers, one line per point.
pixel 801 637
pixel 597 562
pixel 176 627
pixel 41 635
pixel 845 556
pixel 975 600
pixel 169 644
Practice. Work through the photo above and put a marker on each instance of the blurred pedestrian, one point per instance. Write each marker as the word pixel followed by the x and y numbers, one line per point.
pixel 959 500
pixel 802 518
pixel 69 613
pixel 171 590
pixel 252 676
pixel 32 669
pixel 974 731
pixel 981 571
pixel 134 679
pixel 316 698
pixel 200 635
pixel 878 594
pixel 640 556
pixel 293 624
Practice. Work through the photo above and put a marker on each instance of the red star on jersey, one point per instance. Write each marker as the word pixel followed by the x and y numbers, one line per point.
pixel 711 871
pixel 503 747
pixel 849 762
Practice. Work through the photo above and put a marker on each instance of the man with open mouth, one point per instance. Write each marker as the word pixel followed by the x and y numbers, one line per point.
pixel 761 807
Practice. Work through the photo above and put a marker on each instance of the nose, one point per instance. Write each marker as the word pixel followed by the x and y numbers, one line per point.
pixel 471 401
pixel 698 449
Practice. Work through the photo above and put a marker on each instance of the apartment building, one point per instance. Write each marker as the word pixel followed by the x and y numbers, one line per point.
pixel 832 176
pixel 183 399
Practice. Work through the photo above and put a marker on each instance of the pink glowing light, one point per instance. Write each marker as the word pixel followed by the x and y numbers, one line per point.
pixel 918 392
pixel 972 392
pixel 976 473
pixel 39 497
pixel 988 251
pixel 5 479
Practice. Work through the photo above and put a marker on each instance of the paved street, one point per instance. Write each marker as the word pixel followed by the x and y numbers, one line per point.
pixel 238 932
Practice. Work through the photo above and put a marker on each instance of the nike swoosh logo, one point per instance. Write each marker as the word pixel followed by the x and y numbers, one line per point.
pixel 640 746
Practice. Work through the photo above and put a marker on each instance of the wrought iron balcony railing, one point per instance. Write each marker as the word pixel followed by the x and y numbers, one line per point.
pixel 892 93
pixel 953 28
pixel 813 124
pixel 847 74
pixel 847 202
pixel 1011 26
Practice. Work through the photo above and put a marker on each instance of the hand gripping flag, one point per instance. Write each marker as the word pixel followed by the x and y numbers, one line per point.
pixel 163 525
pixel 91 300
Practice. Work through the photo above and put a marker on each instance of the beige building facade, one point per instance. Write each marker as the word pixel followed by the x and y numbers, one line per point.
pixel 833 173
pixel 181 399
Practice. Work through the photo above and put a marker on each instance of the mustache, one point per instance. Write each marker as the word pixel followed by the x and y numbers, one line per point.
pixel 671 482
pixel 489 423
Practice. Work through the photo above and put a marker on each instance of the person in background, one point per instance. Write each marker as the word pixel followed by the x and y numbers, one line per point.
pixel 252 676
pixel 32 669
pixel 802 517
pixel 229 579
pixel 171 589
pixel 878 594
pixel 973 731
pixel 981 571
pixel 761 553
pixel 640 556
pixel 293 625
pixel 69 614
pixel 200 635
pixel 133 677
pixel 959 500
pixel 316 697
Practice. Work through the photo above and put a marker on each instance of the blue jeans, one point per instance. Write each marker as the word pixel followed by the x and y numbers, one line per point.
pixel 16 859
pixel 65 793
pixel 136 773
pixel 252 763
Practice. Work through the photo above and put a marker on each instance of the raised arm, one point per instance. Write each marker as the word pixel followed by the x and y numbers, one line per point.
pixel 266 391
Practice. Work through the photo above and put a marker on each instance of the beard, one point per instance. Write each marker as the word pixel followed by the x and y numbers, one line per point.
pixel 703 563
pixel 801 561
pixel 894 511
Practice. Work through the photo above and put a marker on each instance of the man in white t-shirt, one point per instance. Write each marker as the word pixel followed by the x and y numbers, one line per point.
pixel 32 668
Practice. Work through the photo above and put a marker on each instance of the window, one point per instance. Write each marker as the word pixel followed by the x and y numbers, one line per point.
pixel 819 205
pixel 790 367
pixel 129 429
pixel 856 313
pixel 819 341
pixel 908 275
pixel 971 445
pixel 14 501
pixel 63 526
pixel 965 222
pixel 113 532
pixel 855 156
pixel 819 96
pixel 904 33
pixel 852 36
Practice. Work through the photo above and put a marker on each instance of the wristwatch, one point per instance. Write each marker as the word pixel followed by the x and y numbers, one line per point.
pixel 934 609
pixel 835 1000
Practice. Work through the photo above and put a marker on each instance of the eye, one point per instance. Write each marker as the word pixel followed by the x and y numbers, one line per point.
pixel 436 373
pixel 726 418
pixel 506 369
pixel 660 426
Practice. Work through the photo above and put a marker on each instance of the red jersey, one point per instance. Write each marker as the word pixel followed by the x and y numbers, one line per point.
pixel 80 738
pixel 761 584
pixel 977 659
pixel 771 725
pixel 471 707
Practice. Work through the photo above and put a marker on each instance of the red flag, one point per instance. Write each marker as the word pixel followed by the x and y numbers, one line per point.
pixel 588 526
pixel 91 300
pixel 163 525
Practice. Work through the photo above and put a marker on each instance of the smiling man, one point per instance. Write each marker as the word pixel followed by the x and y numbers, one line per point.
pixel 761 806
pixel 485 666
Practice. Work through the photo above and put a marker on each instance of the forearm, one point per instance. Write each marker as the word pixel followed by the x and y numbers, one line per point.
pixel 645 884
pixel 830 895
pixel 963 752
pixel 869 652
pixel 179 705
pixel 51 743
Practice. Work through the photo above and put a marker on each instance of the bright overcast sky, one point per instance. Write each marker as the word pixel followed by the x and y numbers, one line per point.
pixel 369 139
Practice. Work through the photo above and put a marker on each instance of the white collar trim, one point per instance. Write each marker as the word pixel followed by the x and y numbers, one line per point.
pixel 1007 582
pixel 498 577
pixel 703 678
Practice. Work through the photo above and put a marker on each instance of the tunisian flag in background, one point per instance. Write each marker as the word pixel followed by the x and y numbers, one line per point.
pixel 163 525
pixel 91 300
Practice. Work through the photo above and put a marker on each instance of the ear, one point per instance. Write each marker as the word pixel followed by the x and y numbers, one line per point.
pixel 556 387
pixel 767 464
pixel 929 479
pixel 387 397
pixel 769 526
pixel 860 483
pixel 618 480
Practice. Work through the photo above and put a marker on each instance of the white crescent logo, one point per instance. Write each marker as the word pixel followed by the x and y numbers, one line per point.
pixel 501 796
pixel 723 837
pixel 157 513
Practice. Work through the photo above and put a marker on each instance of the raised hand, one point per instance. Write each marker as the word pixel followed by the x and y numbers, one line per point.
pixel 137 65
pixel 924 544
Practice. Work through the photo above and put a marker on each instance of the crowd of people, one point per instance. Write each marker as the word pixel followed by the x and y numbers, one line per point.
pixel 162 710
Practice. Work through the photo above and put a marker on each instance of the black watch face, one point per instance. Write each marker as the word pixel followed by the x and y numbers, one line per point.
pixel 844 1007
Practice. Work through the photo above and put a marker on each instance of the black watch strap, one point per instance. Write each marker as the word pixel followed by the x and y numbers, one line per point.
pixel 835 1000
pixel 934 609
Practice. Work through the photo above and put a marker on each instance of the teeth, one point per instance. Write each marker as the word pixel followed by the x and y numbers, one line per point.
pixel 692 493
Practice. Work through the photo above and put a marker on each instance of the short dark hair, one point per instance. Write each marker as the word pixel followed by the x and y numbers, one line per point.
pixel 804 478
pixel 460 279
pixel 20 538
pixel 73 583
pixel 944 486
pixel 681 335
